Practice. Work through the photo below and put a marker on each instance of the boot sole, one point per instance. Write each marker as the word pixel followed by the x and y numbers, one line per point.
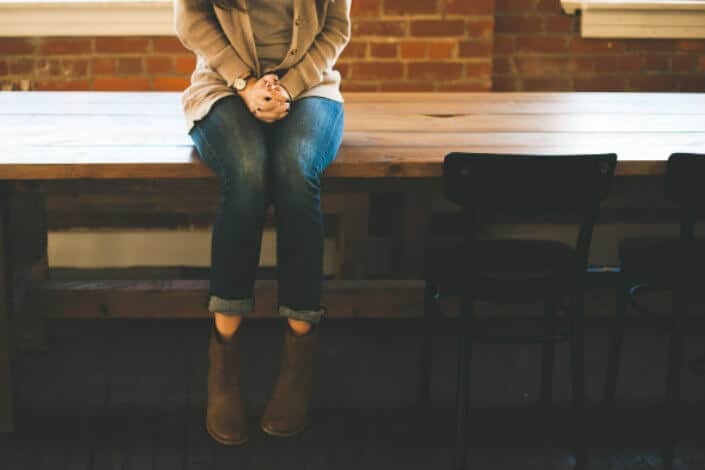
pixel 221 440
pixel 274 433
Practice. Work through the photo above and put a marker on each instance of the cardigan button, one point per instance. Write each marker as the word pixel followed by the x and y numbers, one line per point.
pixel 293 51
pixel 298 21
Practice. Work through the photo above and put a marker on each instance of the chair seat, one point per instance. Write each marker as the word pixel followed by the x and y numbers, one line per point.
pixel 657 257
pixel 502 265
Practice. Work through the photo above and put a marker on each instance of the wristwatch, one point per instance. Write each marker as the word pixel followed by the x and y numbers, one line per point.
pixel 241 82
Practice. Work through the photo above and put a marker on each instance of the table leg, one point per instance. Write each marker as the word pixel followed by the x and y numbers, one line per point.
pixel 27 239
pixel 6 406
pixel 353 236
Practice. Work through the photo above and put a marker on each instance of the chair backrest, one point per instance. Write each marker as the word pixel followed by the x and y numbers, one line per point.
pixel 535 184
pixel 685 179
pixel 527 182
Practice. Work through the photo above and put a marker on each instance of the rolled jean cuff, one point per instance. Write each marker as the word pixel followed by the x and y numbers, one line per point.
pixel 313 316
pixel 231 306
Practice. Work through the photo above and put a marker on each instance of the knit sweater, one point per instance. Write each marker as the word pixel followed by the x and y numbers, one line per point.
pixel 225 48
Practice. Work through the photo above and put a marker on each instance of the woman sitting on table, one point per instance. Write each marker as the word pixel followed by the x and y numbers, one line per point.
pixel 265 112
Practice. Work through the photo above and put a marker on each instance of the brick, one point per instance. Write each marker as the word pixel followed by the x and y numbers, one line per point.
pixel 74 67
pixel 378 70
pixel 103 65
pixel 353 86
pixel 161 64
pixel 168 44
pixel 59 85
pixel 22 66
pixel 629 62
pixel 549 6
pixel 519 24
pixel 503 45
pixel 171 83
pixel 701 64
pixel 129 65
pixel 437 28
pixel 400 7
pixel 441 50
pixel 481 29
pixel 435 70
pixel 413 49
pixel 600 84
pixel 121 84
pixel 3 68
pixel 684 63
pixel 692 83
pixel 514 6
pixel 56 46
pixel 660 62
pixel 593 46
pixel 605 64
pixel 185 63
pixel 470 7
pixel 541 44
pixel 547 84
pixel 466 85
pixel 121 45
pixel 502 66
pixel 378 28
pixel 383 49
pixel 543 66
pixel 650 44
pixel 692 45
pixel 478 69
pixel 365 8
pixel 406 86
pixel 16 46
pixel 355 49
pixel 560 24
pixel 504 84
pixel 654 83
pixel 343 68
pixel 475 49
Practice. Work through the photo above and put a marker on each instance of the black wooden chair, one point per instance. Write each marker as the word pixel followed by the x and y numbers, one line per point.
pixel 672 263
pixel 514 270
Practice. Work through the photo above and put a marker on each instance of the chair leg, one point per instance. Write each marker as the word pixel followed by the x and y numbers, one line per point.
pixel 463 382
pixel 614 357
pixel 673 378
pixel 577 346
pixel 429 328
pixel 6 375
pixel 548 354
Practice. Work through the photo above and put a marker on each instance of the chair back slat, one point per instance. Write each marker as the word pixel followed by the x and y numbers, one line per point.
pixel 685 180
pixel 533 183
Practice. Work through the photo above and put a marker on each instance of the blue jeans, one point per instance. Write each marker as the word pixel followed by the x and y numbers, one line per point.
pixel 257 163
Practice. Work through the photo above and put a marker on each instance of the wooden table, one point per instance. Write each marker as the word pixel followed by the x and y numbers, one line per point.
pixel 391 139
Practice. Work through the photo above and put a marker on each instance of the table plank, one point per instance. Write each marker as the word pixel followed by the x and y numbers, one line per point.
pixel 58 135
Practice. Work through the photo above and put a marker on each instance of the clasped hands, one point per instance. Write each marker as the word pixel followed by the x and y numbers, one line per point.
pixel 266 99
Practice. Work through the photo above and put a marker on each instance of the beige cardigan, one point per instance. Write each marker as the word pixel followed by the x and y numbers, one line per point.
pixel 225 50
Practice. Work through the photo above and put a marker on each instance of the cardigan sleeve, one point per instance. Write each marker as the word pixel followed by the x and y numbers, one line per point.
pixel 323 52
pixel 198 29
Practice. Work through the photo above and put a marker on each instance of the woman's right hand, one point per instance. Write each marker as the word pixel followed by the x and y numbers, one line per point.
pixel 262 101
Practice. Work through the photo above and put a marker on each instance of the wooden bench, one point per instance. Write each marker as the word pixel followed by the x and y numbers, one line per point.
pixel 84 150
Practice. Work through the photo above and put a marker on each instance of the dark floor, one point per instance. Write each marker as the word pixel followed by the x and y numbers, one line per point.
pixel 130 395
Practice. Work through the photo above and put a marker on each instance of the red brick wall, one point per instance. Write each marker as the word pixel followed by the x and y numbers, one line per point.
pixel 537 47
pixel 443 45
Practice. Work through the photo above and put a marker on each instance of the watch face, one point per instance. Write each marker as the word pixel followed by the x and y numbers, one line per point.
pixel 240 83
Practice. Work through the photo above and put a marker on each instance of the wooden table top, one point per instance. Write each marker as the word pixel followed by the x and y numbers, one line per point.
pixel 59 135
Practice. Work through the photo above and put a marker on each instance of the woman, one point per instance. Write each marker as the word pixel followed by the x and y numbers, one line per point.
pixel 265 113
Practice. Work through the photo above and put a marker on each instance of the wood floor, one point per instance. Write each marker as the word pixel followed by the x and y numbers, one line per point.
pixel 130 394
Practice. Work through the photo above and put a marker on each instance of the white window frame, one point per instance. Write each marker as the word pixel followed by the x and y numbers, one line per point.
pixel 86 18
pixel 639 18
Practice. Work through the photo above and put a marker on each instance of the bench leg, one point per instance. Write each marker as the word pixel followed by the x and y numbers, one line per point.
pixel 6 388
pixel 27 239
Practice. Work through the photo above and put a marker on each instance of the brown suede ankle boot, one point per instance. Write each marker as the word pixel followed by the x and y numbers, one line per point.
pixel 287 411
pixel 226 419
